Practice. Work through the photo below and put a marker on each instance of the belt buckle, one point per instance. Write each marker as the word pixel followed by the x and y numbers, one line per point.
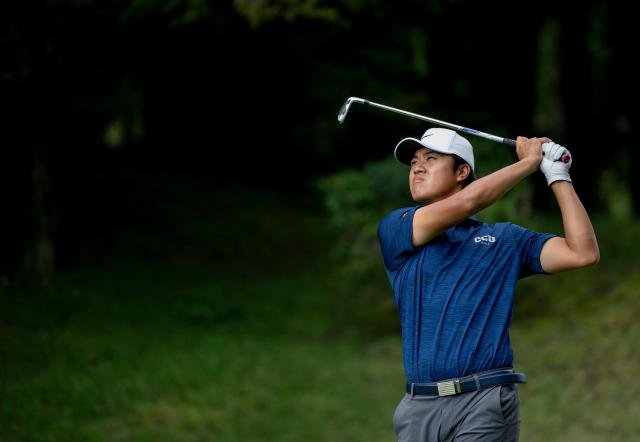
pixel 449 388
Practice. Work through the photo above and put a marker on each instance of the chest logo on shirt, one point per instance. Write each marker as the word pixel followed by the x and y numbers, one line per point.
pixel 485 239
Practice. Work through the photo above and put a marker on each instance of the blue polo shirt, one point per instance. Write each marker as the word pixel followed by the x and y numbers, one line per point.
pixel 455 294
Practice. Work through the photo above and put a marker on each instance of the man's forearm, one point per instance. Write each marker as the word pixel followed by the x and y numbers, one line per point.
pixel 487 190
pixel 579 233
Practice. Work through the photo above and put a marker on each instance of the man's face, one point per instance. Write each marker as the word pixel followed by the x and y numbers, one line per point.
pixel 431 176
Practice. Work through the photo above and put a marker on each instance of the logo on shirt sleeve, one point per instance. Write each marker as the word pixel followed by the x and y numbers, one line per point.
pixel 485 239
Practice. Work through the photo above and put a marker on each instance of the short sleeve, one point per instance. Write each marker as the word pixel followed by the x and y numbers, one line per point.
pixel 395 234
pixel 529 244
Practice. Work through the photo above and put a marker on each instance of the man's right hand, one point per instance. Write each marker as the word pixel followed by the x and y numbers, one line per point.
pixel 530 150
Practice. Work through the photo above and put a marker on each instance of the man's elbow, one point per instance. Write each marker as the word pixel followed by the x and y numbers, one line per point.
pixel 588 259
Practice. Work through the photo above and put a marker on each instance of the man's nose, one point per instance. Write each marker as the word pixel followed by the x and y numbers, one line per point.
pixel 418 167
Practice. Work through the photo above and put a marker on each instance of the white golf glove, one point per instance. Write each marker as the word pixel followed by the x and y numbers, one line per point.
pixel 555 164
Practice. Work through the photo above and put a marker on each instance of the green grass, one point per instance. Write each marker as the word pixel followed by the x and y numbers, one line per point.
pixel 250 337
pixel 580 358
pixel 181 358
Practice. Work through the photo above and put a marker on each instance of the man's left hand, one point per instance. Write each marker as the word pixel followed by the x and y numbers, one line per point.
pixel 555 164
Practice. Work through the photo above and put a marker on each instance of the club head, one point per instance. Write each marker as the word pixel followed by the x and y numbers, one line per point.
pixel 342 114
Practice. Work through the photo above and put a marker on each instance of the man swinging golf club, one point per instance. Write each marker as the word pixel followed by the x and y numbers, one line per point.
pixel 454 278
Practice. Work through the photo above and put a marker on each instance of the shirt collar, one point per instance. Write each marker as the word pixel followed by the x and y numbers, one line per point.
pixel 473 219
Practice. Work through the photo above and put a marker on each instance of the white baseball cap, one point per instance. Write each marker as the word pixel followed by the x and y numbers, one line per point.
pixel 439 140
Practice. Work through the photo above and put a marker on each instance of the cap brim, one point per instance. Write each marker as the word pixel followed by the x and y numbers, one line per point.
pixel 405 149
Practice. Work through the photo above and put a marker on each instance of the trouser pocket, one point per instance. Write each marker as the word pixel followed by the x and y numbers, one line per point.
pixel 400 418
pixel 510 405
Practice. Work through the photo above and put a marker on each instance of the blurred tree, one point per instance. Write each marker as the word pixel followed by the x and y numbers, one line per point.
pixel 259 12
pixel 577 88
pixel 40 252
pixel 621 93
pixel 60 79
pixel 192 85
pixel 548 115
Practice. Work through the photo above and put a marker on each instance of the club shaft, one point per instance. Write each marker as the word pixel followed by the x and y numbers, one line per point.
pixel 457 127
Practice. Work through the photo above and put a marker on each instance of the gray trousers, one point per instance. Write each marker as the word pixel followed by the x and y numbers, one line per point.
pixel 486 415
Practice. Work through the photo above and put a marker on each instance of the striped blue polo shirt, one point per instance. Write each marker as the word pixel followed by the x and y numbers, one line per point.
pixel 455 294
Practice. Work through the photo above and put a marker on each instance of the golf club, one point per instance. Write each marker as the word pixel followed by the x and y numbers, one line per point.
pixel 345 108
pixel 342 114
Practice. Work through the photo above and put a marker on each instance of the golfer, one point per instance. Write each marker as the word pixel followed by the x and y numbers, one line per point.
pixel 454 279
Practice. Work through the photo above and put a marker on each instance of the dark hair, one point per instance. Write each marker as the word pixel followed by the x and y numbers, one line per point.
pixel 457 162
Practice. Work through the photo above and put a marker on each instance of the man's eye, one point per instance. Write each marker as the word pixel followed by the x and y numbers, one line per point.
pixel 431 157
pixel 413 163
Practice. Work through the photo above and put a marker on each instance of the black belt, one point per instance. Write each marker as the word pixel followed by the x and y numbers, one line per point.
pixel 466 384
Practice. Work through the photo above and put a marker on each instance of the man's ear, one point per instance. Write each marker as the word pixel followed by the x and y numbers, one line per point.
pixel 463 172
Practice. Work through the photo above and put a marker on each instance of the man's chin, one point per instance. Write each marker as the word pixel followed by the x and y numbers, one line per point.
pixel 420 198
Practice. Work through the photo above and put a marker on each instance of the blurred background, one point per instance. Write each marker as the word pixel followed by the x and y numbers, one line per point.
pixel 189 237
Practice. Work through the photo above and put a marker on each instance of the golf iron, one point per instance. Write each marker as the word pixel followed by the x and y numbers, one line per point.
pixel 345 109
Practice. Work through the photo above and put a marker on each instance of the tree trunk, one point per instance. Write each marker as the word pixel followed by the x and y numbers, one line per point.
pixel 583 130
pixel 39 259
pixel 623 104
